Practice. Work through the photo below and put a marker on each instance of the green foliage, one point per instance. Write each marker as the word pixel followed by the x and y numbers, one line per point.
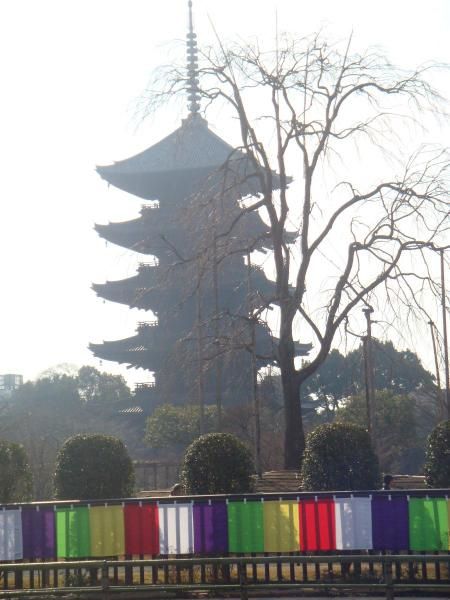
pixel 15 474
pixel 102 389
pixel 437 466
pixel 339 456
pixel 57 394
pixel 93 466
pixel 42 414
pixel 399 448
pixel 399 371
pixel 177 426
pixel 217 463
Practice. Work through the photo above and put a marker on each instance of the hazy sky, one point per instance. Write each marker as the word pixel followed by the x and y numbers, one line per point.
pixel 72 74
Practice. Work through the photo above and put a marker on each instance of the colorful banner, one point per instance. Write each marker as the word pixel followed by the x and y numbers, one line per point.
pixel 210 528
pixel 353 521
pixel 245 527
pixel 317 525
pixel 176 528
pixel 141 529
pixel 38 530
pixel 390 523
pixel 11 546
pixel 281 526
pixel 381 522
pixel 107 531
pixel 428 524
pixel 73 538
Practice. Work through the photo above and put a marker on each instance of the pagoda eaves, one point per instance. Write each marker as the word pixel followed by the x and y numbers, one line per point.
pixel 189 160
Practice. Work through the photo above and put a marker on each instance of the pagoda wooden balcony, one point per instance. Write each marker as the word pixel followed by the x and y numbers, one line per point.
pixel 154 205
pixel 149 264
pixel 146 385
pixel 144 326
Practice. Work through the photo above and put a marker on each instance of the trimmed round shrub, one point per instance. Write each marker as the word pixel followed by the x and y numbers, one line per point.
pixel 437 463
pixel 15 473
pixel 217 463
pixel 339 456
pixel 93 466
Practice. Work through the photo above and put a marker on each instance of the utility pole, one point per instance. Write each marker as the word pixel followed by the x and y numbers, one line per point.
pixel 218 360
pixel 200 388
pixel 444 331
pixel 442 407
pixel 369 377
pixel 254 370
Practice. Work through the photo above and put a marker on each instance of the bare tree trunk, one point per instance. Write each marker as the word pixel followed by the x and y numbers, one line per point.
pixel 294 441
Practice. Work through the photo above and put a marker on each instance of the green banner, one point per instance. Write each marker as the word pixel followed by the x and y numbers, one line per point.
pixel 428 524
pixel 245 527
pixel 72 532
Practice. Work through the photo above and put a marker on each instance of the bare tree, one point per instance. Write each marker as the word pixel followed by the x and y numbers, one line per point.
pixel 311 111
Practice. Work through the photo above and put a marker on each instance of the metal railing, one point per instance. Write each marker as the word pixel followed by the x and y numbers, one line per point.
pixel 146 325
pixel 145 385
pixel 329 574
pixel 150 264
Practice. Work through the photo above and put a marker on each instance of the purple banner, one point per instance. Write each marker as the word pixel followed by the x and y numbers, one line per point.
pixel 210 528
pixel 38 531
pixel 390 524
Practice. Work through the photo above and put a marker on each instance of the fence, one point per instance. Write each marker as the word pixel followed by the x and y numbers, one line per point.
pixel 383 521
pixel 238 542
pixel 155 474
pixel 265 574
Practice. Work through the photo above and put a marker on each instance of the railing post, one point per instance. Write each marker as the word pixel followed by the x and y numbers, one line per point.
pixel 243 580
pixel 105 581
pixel 388 580
pixel 18 580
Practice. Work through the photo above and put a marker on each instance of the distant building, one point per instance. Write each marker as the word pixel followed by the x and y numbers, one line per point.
pixel 9 382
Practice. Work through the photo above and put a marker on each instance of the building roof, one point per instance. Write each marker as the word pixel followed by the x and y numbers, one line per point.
pixel 187 161
pixel 158 231
pixel 157 288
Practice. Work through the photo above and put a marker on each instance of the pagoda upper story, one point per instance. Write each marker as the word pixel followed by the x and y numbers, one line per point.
pixel 189 160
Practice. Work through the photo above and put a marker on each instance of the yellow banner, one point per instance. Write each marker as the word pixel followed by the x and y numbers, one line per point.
pixel 107 531
pixel 281 526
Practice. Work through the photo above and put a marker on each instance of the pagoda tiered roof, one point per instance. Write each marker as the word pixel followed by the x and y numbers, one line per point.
pixel 151 232
pixel 190 160
pixel 153 287
pixel 140 350
pixel 150 349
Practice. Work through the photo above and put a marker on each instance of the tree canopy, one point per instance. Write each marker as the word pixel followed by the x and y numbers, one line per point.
pixel 399 444
pixel 437 466
pixel 339 456
pixel 93 466
pixel 177 426
pixel 42 414
pixel 15 473
pixel 217 463
pixel 311 110
pixel 341 376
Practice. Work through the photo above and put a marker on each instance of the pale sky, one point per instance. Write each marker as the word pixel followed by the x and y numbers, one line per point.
pixel 72 75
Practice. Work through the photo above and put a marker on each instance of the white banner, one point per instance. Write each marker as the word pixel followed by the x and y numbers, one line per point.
pixel 11 547
pixel 353 523
pixel 176 529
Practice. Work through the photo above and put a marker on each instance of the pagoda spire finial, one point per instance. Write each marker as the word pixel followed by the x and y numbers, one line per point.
pixel 192 67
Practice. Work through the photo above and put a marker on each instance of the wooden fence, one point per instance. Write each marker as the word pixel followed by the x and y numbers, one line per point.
pixel 329 574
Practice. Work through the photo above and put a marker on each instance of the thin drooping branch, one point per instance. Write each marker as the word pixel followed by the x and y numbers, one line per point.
pixel 298 109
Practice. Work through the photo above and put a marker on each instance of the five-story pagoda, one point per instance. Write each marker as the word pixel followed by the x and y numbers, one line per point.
pixel 197 281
